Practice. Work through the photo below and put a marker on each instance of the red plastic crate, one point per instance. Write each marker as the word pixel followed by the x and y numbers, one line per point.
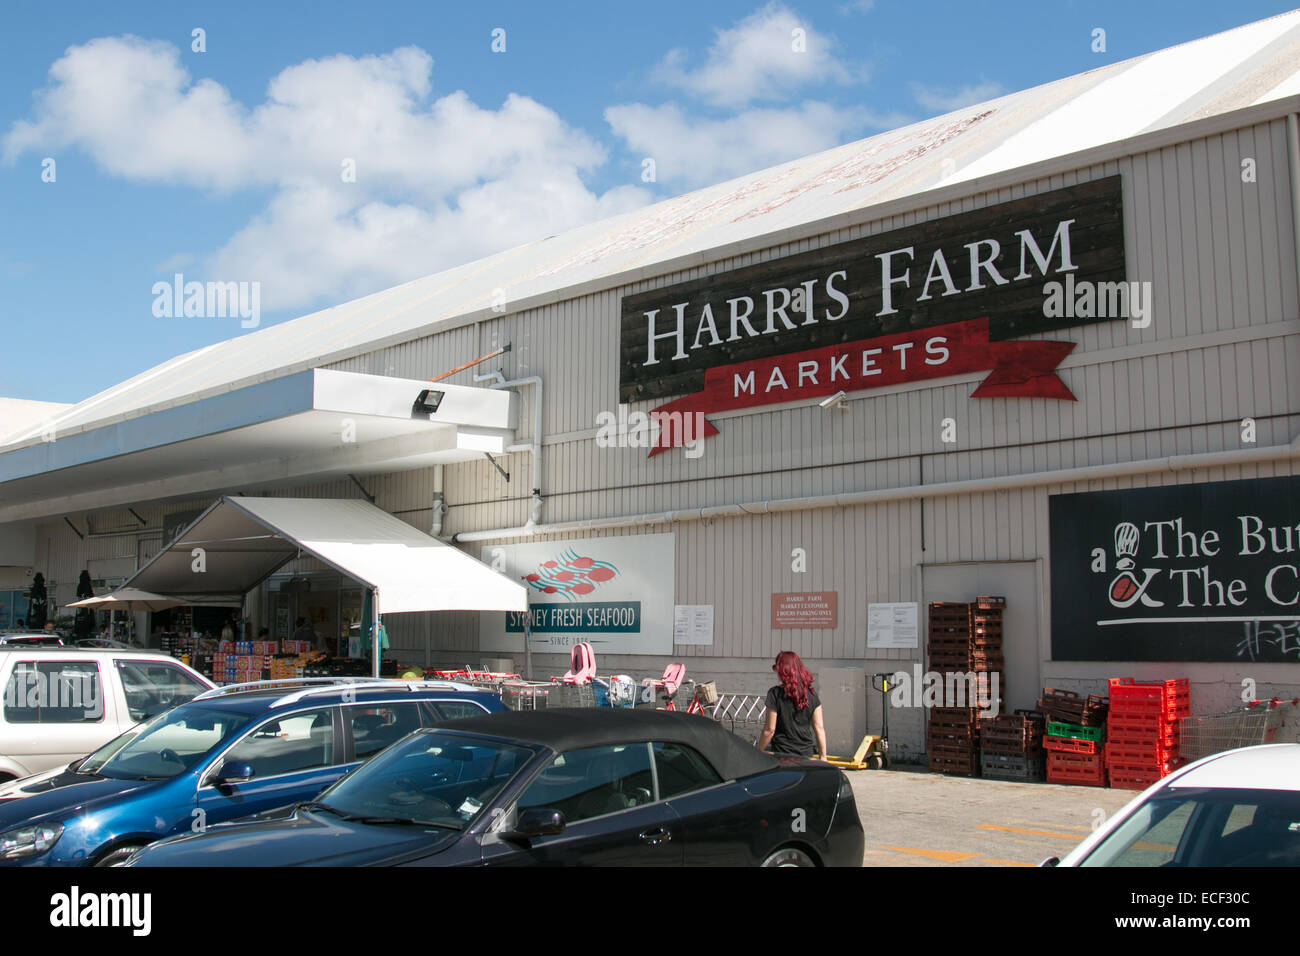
pixel 1137 765
pixel 1122 688
pixel 1076 761
pixel 1125 751
pixel 1122 780
pixel 1076 775
pixel 1143 729
pixel 1166 710
pixel 1071 745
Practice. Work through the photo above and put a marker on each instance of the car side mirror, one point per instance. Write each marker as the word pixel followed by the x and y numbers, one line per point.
pixel 235 772
pixel 1050 861
pixel 537 822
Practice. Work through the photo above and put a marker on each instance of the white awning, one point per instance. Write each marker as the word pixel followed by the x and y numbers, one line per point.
pixel 239 542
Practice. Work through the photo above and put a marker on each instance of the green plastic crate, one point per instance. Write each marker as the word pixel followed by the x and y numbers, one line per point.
pixel 1056 729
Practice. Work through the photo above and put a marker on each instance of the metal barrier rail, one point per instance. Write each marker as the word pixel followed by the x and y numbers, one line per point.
pixel 747 710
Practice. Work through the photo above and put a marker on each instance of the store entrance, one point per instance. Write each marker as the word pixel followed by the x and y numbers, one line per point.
pixel 1017 581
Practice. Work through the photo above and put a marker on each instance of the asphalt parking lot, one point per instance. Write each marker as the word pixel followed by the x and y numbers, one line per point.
pixel 916 818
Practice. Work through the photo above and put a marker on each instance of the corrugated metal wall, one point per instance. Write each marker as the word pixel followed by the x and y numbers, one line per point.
pixel 1223 346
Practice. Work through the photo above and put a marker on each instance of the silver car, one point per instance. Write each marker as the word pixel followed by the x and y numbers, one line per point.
pixel 1239 808
pixel 61 703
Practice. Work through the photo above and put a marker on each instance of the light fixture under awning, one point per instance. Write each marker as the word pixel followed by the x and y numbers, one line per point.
pixel 240 541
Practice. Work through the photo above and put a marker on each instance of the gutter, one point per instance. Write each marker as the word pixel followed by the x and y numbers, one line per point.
pixel 1175 463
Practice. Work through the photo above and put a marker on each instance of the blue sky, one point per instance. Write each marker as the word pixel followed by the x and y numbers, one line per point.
pixel 228 164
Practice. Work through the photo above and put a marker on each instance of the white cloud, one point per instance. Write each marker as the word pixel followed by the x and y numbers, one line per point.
pixel 313 240
pixel 694 151
pixel 946 100
pixel 438 182
pixel 757 59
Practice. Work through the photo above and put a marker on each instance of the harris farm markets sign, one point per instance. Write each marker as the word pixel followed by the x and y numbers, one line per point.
pixel 946 297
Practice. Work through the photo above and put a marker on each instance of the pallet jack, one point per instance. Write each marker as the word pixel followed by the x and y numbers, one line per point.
pixel 873 752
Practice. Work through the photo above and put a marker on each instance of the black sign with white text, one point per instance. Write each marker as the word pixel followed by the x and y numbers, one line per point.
pixel 1200 572
pixel 993 262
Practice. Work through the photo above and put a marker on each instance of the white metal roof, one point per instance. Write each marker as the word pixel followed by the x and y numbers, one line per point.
pixel 298 427
pixel 1251 64
pixel 244 540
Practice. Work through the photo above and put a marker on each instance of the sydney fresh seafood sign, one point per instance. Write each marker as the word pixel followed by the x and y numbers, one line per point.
pixel 616 593
pixel 1197 572
pixel 946 297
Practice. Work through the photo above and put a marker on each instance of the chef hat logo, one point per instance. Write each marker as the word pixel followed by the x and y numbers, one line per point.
pixel 1126 544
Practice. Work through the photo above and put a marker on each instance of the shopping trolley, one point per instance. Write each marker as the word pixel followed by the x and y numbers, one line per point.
pixel 1259 722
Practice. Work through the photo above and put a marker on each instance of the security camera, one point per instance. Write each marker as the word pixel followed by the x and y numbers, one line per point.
pixel 835 401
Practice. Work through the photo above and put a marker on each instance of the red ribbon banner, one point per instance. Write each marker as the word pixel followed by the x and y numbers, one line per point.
pixel 1017 369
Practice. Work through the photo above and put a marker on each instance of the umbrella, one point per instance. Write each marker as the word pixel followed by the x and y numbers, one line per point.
pixel 129 599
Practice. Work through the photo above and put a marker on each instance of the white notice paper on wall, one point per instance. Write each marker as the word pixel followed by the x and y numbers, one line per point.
pixel 693 624
pixel 892 625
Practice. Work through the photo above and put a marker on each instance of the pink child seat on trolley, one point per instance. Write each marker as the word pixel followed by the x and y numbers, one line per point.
pixel 582 664
pixel 674 674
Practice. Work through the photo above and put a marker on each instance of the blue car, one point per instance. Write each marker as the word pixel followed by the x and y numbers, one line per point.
pixel 229 753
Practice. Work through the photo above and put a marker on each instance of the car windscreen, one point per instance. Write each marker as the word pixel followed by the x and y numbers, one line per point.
pixel 1202 827
pixel 432 779
pixel 170 744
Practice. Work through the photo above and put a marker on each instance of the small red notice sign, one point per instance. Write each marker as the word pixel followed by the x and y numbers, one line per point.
pixel 817 609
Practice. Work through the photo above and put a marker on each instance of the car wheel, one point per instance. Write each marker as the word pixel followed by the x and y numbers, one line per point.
pixel 789 857
pixel 7 777
pixel 116 857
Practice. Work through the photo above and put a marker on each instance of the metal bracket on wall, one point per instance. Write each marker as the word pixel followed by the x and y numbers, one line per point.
pixel 501 471
pixel 357 482
pixel 74 528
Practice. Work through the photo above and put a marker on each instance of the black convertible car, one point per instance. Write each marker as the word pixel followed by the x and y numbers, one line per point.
pixel 554 787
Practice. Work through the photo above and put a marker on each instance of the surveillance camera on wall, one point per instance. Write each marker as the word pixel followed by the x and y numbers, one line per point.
pixel 835 401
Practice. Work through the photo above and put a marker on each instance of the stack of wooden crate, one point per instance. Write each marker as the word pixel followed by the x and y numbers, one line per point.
pixel 964 638
pixel 1011 746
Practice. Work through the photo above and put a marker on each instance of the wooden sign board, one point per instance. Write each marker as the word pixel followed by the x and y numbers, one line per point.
pixel 992 262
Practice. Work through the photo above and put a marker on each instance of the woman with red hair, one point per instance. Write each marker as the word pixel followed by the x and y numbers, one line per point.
pixel 792 724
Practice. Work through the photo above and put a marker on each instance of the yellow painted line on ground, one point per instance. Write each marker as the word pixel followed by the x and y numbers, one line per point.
pixel 1034 823
pixel 1009 862
pixel 943 856
pixel 993 826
